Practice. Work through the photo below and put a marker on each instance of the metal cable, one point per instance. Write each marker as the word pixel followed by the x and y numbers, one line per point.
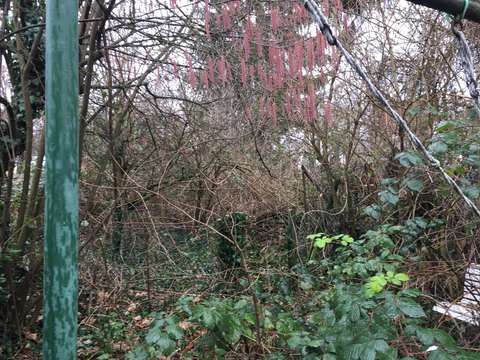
pixel 468 68
pixel 317 15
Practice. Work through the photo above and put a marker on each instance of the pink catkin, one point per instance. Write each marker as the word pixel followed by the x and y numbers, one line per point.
pixel 175 69
pixel 287 100
pixel 310 54
pixel 259 42
pixel 204 77
pixel 235 6
pixel 273 112
pixel 338 5
pixel 328 113
pixel 298 102
pixel 297 14
pixel 291 63
pixel 312 102
pixel 298 56
pixel 247 37
pixel 320 47
pixel 249 28
pixel 173 3
pixel 243 72
pixel 192 78
pixel 211 70
pixel 345 23
pixel 272 54
pixel 280 71
pixel 326 7
pixel 221 69
pixel 269 82
pixel 227 21
pixel 335 59
pixel 248 113
pixel 228 70
pixel 301 81
pixel 275 19
pixel 207 19
pixel 261 106
pixel 262 75
pixel 246 47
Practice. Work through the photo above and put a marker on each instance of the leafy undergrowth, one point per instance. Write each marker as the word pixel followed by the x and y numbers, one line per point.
pixel 350 300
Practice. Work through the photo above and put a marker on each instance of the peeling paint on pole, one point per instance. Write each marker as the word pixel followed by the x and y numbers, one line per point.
pixel 61 185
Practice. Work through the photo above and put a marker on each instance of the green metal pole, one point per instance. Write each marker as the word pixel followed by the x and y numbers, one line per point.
pixel 61 182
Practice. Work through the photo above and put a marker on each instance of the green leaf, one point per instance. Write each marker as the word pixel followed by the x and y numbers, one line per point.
pixel 329 357
pixel 472 192
pixel 402 277
pixel 388 197
pixel 408 159
pixel 175 331
pixel 410 308
pixel 414 110
pixel 346 239
pixel 441 355
pixel 240 304
pixel 323 241
pixel 314 236
pixel 388 181
pixel 414 185
pixel 137 354
pixel 165 344
pixel 438 147
pixel 295 341
pixel 373 211
pixel 432 110
pixel 381 345
pixel 444 126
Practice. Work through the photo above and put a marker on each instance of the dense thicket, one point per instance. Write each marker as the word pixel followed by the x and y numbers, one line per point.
pixel 242 193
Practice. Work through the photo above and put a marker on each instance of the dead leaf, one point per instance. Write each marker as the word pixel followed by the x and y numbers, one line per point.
pixel 185 325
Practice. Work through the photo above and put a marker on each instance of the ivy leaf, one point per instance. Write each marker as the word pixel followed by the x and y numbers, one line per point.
pixel 388 197
pixel 414 185
pixel 373 211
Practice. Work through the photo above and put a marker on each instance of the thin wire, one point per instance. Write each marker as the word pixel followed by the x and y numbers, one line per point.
pixel 326 30
pixel 468 68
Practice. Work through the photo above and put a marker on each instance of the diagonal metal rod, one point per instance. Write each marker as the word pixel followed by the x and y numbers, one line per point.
pixel 320 19
pixel 61 182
